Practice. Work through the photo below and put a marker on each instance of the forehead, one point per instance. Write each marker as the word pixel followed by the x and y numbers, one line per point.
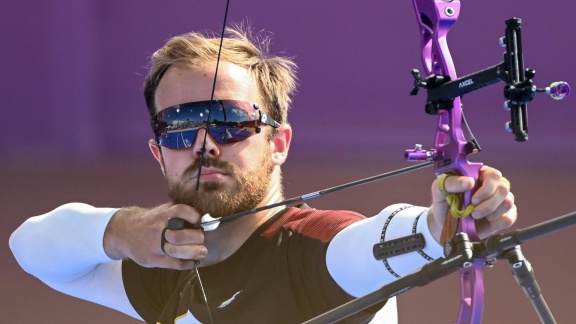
pixel 182 84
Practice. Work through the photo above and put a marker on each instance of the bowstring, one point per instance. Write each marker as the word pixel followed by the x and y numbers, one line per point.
pixel 203 149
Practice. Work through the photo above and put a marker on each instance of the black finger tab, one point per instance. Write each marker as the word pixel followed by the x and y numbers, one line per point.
pixel 179 224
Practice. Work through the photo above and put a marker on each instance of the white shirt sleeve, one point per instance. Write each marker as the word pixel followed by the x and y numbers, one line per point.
pixel 64 249
pixel 350 257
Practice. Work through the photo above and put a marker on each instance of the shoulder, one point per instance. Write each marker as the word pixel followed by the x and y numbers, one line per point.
pixel 318 224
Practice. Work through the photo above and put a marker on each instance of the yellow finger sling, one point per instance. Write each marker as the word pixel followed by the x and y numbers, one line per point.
pixel 455 200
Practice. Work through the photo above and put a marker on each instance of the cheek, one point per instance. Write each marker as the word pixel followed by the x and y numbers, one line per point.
pixel 175 163
pixel 252 156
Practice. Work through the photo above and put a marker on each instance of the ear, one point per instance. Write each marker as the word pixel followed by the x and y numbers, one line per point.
pixel 157 153
pixel 280 144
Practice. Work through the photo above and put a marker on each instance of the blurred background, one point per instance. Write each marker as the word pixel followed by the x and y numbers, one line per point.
pixel 75 126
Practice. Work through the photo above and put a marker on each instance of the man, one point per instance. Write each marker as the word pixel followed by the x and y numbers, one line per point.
pixel 220 157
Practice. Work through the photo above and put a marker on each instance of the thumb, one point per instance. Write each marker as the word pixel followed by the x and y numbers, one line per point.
pixel 447 184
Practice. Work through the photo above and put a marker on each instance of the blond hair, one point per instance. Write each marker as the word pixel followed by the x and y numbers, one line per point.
pixel 274 75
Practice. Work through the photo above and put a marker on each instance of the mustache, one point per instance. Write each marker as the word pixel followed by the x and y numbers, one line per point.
pixel 194 168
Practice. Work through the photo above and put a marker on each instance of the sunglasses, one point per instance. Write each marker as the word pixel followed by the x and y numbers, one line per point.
pixel 227 121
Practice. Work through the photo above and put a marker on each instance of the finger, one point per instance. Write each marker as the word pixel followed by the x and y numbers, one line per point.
pixel 185 252
pixel 184 212
pixel 458 184
pixel 486 228
pixel 491 180
pixel 502 209
pixel 184 236
pixel 499 203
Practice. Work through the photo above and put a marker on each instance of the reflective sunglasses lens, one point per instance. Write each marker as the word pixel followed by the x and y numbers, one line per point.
pixel 196 114
pixel 228 121
pixel 178 140
pixel 227 135
pixel 221 135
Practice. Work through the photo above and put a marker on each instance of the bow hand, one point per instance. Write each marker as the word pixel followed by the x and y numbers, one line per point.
pixel 494 209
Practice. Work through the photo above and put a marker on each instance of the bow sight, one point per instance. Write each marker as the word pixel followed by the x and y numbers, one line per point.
pixel 518 91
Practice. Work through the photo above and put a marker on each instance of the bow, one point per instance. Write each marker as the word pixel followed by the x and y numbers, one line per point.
pixel 451 148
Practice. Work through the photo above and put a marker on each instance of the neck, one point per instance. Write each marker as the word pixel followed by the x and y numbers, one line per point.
pixel 229 236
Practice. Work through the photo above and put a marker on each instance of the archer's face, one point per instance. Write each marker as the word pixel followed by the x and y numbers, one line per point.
pixel 236 176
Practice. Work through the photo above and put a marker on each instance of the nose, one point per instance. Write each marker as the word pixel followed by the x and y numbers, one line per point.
pixel 210 149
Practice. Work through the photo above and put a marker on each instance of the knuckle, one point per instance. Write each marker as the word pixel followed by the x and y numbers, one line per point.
pixel 491 173
pixel 503 189
pixel 497 174
pixel 175 210
pixel 506 221
pixel 490 169
pixel 168 248
pixel 508 202
pixel 185 212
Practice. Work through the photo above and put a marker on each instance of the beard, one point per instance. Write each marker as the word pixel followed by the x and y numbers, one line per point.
pixel 219 199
